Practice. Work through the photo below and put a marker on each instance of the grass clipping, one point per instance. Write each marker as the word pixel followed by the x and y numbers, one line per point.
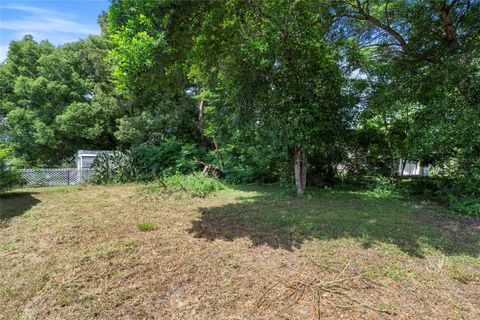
pixel 195 185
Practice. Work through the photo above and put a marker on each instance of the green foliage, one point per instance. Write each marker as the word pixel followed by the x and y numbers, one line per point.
pixel 149 51
pixel 146 226
pixel 169 157
pixel 5 152
pixel 57 100
pixel 241 172
pixel 194 184
pixel 467 205
pixel 281 87
pixel 457 193
pixel 242 162
pixel 461 194
pixel 245 85
pixel 422 82
pixel 145 162
pixel 113 168
pixel 9 179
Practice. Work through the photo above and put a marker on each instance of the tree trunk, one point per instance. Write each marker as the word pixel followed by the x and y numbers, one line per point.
pixel 219 155
pixel 203 139
pixel 300 166
pixel 404 164
pixel 389 145
pixel 450 30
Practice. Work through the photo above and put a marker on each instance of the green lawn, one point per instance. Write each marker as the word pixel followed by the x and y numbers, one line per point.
pixel 245 253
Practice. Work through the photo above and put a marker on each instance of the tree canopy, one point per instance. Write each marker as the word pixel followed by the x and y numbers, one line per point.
pixel 57 100
pixel 266 90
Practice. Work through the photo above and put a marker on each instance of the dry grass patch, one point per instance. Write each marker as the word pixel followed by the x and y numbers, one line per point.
pixel 254 253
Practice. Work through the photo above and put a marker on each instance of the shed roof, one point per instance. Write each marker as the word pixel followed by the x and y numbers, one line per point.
pixel 86 153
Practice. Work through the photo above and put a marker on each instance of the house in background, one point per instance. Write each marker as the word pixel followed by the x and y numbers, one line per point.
pixel 85 158
pixel 3 129
pixel 412 168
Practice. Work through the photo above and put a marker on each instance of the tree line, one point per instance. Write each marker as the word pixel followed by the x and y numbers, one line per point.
pixel 263 90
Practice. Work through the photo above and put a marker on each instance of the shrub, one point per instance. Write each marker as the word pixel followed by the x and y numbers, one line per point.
pixel 166 159
pixel 466 205
pixel 116 167
pixel 460 194
pixel 382 185
pixel 145 163
pixel 9 179
pixel 195 184
pixel 243 166
pixel 146 226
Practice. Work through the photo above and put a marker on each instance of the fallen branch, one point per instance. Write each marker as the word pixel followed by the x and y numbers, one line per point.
pixel 297 288
pixel 209 168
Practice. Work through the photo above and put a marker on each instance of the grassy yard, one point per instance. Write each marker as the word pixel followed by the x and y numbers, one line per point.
pixel 113 252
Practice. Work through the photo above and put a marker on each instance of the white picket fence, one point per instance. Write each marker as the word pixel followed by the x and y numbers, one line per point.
pixel 55 176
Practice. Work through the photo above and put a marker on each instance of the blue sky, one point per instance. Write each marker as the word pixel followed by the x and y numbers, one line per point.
pixel 59 21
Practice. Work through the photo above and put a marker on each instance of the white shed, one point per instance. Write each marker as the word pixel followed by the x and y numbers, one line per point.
pixel 85 158
pixel 412 168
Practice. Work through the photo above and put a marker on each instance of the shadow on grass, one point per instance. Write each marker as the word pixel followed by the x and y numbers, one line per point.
pixel 283 221
pixel 15 204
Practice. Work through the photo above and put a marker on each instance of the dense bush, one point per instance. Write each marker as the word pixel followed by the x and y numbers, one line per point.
pixel 116 167
pixel 195 184
pixel 243 165
pixel 460 194
pixel 9 179
pixel 146 163
pixel 169 157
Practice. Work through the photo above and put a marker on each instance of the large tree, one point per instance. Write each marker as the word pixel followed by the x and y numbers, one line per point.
pixel 421 61
pixel 275 70
pixel 263 69
pixel 151 41
pixel 57 100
